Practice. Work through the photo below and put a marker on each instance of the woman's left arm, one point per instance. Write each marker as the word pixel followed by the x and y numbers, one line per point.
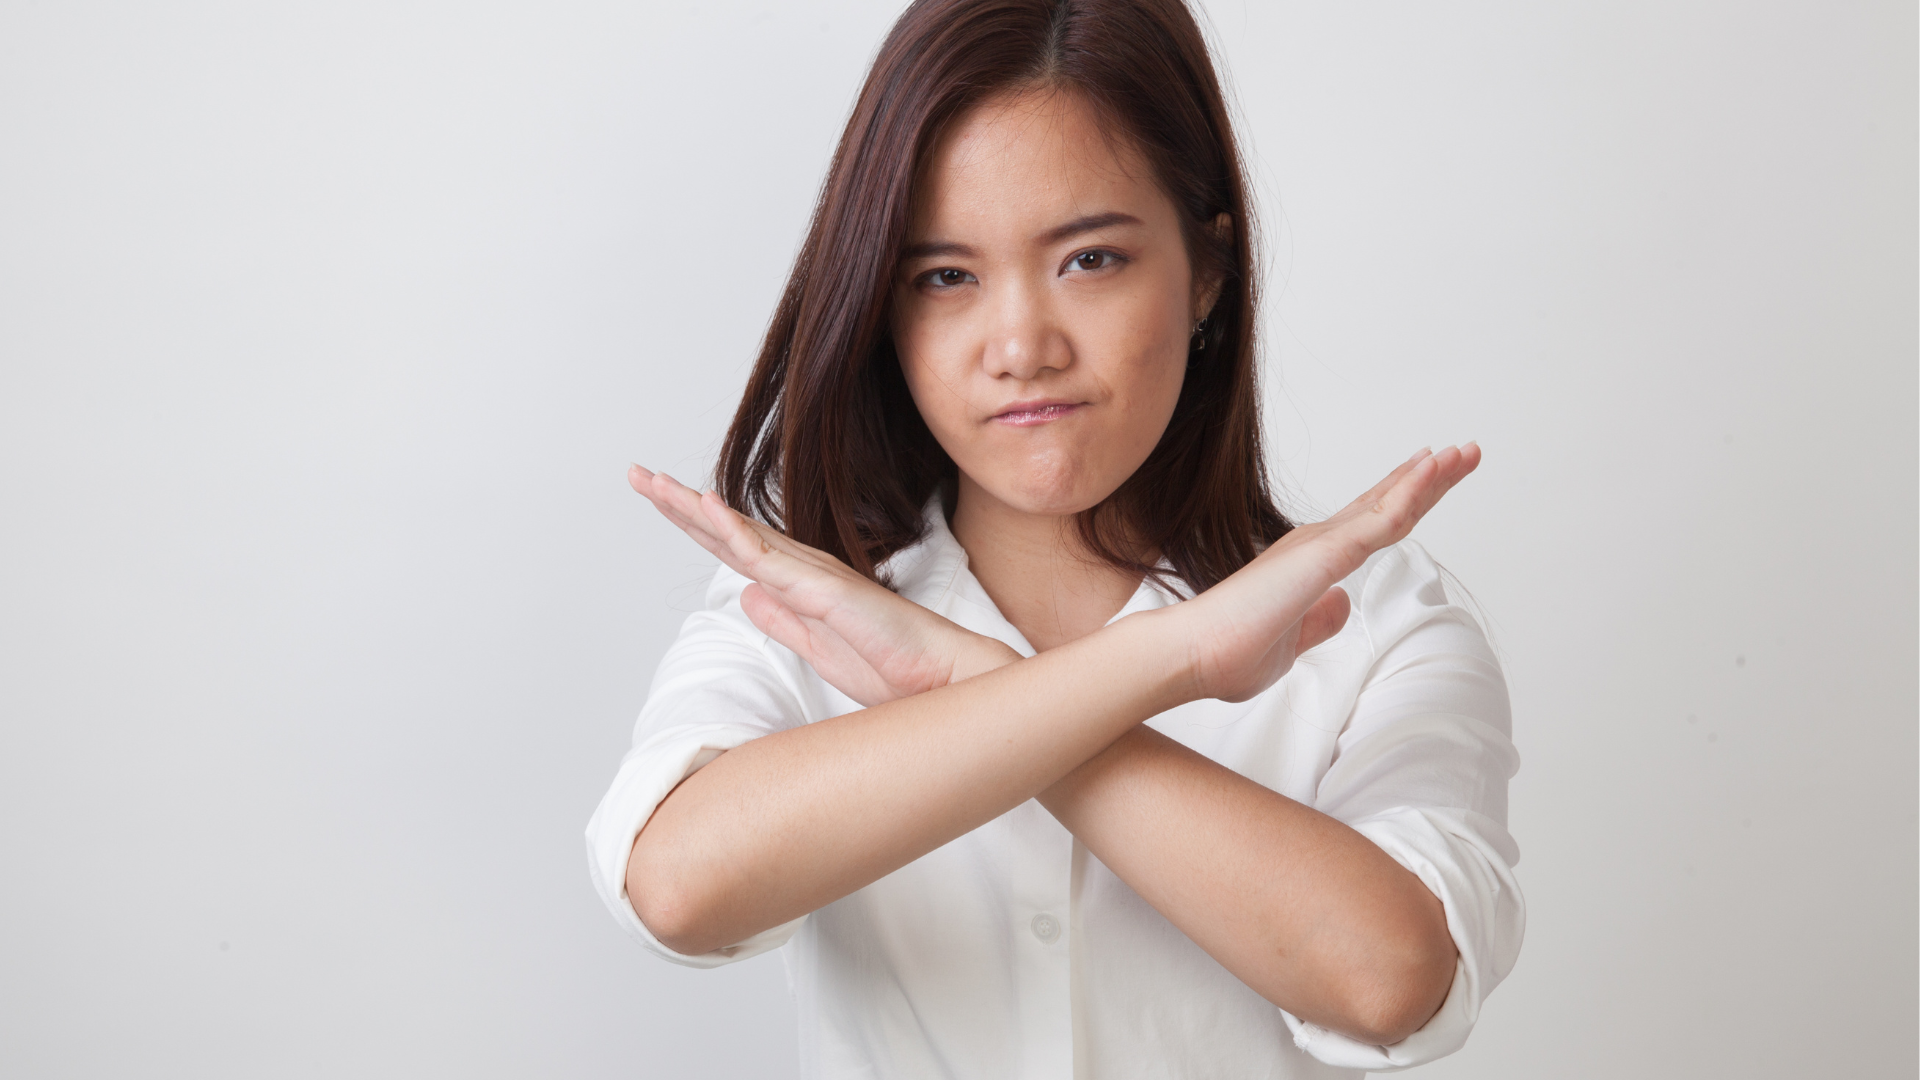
pixel 1388 907
pixel 1363 947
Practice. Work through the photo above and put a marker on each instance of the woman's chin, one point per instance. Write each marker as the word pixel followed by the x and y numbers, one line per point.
pixel 1049 496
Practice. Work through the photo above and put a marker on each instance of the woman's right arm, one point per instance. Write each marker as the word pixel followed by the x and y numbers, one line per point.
pixel 787 823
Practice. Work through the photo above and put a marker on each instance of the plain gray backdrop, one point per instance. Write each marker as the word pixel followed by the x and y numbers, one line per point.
pixel 327 332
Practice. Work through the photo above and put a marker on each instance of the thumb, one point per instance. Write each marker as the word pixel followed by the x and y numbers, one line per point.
pixel 1324 619
pixel 775 619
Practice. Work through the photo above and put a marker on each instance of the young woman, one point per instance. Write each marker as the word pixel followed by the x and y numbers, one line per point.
pixel 1027 722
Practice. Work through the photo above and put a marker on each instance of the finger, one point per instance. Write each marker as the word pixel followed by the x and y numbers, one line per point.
pixel 666 496
pixel 713 507
pixel 776 620
pixel 1365 527
pixel 708 512
pixel 656 488
pixel 671 496
pixel 647 483
pixel 769 537
pixel 746 546
pixel 1401 508
pixel 740 539
pixel 677 500
pixel 681 505
pixel 1324 619
pixel 761 553
pixel 1421 489
pixel 1469 461
pixel 817 644
pixel 1451 466
pixel 680 498
pixel 1378 491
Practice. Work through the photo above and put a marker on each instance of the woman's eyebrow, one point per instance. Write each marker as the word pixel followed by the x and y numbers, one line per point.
pixel 1087 224
pixel 929 249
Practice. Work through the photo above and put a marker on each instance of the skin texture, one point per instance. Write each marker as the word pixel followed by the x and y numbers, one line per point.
pixel 995 307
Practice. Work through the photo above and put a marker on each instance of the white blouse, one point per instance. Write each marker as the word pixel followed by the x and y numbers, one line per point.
pixel 1014 953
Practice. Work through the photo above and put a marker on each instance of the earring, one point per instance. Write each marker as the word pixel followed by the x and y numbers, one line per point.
pixel 1200 334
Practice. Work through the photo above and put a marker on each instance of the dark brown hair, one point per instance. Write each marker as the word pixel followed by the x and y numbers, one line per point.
pixel 827 444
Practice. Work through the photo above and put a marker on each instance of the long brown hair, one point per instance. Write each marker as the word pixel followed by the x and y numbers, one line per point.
pixel 827 444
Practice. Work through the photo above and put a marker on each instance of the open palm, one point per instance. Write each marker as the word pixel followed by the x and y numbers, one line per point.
pixel 1244 633
pixel 865 641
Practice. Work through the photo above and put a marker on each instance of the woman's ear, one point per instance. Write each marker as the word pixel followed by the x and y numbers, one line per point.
pixel 1206 290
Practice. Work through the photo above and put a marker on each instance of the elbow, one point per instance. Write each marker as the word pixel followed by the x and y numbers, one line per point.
pixel 1399 989
pixel 676 916
pixel 672 922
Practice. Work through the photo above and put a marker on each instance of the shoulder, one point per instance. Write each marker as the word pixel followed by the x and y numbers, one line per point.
pixel 721 665
pixel 1409 610
pixel 1395 580
pixel 717 637
pixel 720 620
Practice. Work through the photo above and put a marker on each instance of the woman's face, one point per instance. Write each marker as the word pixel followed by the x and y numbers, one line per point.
pixel 1043 310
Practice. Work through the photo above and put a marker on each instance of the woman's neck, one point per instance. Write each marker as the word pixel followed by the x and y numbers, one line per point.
pixel 1037 570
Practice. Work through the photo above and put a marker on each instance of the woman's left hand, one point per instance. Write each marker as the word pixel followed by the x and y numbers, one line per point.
pixel 865 641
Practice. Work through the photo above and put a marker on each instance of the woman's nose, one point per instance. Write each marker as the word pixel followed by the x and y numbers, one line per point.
pixel 1026 338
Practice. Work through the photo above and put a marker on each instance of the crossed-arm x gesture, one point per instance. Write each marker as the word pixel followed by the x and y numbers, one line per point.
pixel 960 729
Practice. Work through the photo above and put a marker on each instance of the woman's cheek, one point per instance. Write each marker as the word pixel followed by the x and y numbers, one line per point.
pixel 936 394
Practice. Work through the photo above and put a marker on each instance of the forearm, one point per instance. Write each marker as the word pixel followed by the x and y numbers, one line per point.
pixel 790 822
pixel 1297 905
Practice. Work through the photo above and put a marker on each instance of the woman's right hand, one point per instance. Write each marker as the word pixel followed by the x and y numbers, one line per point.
pixel 1243 634
pixel 870 644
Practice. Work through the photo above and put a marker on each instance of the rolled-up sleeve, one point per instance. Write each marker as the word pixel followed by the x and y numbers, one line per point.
pixel 1421 769
pixel 717 687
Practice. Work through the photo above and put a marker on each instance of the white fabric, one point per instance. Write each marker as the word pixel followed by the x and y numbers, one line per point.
pixel 1013 953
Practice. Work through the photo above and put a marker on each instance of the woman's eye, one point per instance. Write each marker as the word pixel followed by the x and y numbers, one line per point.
pixel 1095 260
pixel 945 278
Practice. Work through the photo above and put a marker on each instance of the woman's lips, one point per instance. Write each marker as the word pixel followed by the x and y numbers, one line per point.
pixel 1039 412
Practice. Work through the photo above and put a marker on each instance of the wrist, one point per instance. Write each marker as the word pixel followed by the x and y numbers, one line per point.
pixel 1154 648
pixel 979 654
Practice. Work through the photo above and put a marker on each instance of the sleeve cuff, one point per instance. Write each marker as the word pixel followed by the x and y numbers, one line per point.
pixel 1485 915
pixel 649 773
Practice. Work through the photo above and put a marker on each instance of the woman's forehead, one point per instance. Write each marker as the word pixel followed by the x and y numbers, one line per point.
pixel 1020 163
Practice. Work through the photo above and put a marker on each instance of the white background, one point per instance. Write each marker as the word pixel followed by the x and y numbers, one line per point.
pixel 327 331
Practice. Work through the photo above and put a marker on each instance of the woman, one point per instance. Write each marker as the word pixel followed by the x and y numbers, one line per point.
pixel 1000 724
